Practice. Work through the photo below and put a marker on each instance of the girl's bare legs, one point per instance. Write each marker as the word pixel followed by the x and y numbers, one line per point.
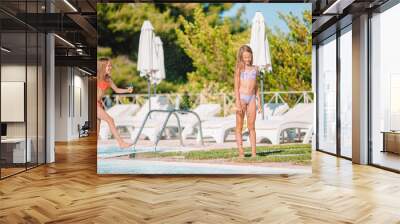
pixel 251 119
pixel 101 114
pixel 98 127
pixel 239 127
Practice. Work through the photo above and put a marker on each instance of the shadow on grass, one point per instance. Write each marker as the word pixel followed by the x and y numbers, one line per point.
pixel 263 153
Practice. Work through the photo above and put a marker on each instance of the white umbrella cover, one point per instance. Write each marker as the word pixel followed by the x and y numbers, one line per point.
pixel 159 53
pixel 146 63
pixel 260 47
pixel 268 55
pixel 146 56
pixel 257 40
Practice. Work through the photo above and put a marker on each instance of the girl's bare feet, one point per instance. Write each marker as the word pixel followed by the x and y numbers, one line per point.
pixel 253 154
pixel 124 145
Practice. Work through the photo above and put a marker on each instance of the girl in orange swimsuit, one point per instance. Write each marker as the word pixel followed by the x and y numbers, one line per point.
pixel 246 91
pixel 103 83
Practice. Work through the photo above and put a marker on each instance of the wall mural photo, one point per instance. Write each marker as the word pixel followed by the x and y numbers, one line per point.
pixel 204 88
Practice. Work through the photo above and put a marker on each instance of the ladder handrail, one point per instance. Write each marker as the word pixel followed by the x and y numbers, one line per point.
pixel 170 112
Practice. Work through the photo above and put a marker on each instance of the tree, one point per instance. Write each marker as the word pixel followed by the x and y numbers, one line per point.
pixel 119 28
pixel 291 55
pixel 212 49
pixel 200 45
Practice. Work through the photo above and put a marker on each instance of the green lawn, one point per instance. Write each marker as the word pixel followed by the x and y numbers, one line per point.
pixel 293 153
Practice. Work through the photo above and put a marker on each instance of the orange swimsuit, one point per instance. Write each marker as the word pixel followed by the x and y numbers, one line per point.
pixel 103 85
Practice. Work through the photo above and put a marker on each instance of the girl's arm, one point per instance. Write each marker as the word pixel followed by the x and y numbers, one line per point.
pixel 120 90
pixel 258 93
pixel 236 87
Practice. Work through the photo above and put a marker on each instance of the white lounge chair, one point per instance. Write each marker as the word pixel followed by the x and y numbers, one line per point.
pixel 187 121
pixel 204 111
pixel 218 127
pixel 119 113
pixel 153 124
pixel 132 121
pixel 299 117
pixel 120 109
pixel 157 103
pixel 272 110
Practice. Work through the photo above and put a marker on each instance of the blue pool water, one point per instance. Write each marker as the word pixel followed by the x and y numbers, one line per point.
pixel 134 166
pixel 113 151
pixel 108 162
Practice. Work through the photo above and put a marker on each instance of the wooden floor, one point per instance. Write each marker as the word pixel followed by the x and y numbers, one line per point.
pixel 70 191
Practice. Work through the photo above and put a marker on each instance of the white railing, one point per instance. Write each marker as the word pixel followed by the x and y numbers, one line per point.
pixel 226 100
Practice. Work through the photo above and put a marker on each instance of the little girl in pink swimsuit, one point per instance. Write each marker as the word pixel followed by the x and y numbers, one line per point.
pixel 246 91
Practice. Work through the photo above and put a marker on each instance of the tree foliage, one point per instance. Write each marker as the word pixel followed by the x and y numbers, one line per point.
pixel 200 45
pixel 212 50
pixel 119 28
pixel 291 55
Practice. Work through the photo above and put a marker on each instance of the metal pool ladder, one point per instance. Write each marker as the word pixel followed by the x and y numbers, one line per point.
pixel 170 112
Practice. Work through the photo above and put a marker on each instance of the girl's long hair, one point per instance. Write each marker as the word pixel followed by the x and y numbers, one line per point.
pixel 101 69
pixel 239 59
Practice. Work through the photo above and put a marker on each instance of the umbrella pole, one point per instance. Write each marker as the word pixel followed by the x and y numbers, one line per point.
pixel 155 88
pixel 262 94
pixel 148 91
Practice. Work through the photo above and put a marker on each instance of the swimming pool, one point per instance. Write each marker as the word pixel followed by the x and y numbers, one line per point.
pixel 134 166
pixel 108 162
pixel 113 151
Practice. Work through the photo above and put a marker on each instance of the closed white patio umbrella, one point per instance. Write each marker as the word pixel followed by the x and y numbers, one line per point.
pixel 268 55
pixel 147 63
pixel 260 47
pixel 257 39
pixel 159 74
